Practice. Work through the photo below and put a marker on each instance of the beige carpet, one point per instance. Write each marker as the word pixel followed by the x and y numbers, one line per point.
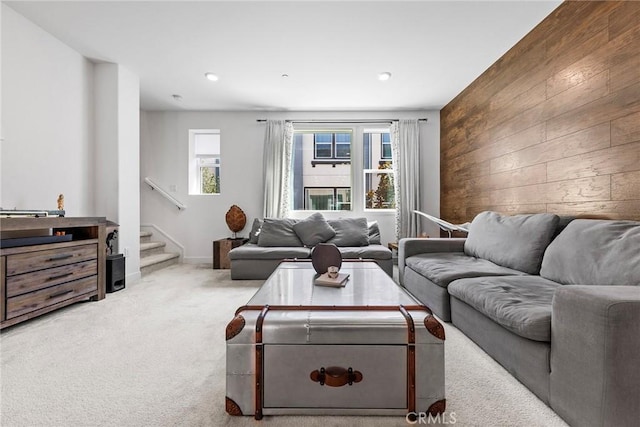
pixel 154 355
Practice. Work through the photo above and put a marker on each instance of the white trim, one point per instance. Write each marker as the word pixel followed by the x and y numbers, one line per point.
pixel 132 278
pixel 198 260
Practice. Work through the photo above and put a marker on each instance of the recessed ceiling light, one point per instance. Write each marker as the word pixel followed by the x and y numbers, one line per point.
pixel 384 76
pixel 285 75
pixel 211 76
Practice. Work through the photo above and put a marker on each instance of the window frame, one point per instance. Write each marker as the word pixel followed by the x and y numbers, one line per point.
pixel 198 162
pixel 303 178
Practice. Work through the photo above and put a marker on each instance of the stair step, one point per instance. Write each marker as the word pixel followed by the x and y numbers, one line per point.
pixel 145 236
pixel 157 261
pixel 151 248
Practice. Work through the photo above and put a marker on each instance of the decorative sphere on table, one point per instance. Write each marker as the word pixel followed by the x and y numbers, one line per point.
pixel 325 255
pixel 235 218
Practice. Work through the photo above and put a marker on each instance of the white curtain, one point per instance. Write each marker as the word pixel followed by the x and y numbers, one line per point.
pixel 278 142
pixel 405 148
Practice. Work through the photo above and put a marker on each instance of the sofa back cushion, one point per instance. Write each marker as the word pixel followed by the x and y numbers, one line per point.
pixel 594 252
pixel 313 230
pixel 350 232
pixel 255 231
pixel 374 233
pixel 278 232
pixel 516 242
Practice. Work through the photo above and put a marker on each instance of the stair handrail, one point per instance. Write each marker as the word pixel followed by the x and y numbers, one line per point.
pixel 155 186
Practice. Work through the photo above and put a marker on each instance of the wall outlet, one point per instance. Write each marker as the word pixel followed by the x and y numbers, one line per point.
pixel 125 251
pixel 173 188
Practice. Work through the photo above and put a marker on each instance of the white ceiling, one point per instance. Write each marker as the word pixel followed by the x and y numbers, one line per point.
pixel 331 50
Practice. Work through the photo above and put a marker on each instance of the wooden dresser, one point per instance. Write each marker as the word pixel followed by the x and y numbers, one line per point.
pixel 37 279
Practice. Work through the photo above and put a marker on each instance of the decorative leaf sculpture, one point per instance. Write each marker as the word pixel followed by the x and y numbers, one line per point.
pixel 235 218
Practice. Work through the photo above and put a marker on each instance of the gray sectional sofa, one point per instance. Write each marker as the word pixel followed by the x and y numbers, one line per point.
pixel 558 307
pixel 274 239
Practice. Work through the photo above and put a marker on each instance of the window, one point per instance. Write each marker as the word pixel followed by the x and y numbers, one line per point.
pixel 379 192
pixel 324 177
pixel 321 170
pixel 332 145
pixel 204 161
pixel 386 146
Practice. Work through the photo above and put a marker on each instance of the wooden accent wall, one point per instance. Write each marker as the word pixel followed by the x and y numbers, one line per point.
pixel 553 125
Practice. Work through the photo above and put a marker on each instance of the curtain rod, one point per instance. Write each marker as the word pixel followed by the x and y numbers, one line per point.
pixel 355 121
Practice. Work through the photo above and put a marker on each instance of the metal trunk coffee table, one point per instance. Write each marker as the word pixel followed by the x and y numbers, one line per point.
pixel 367 348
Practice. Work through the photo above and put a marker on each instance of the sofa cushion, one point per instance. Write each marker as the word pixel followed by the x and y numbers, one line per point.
pixel 444 267
pixel 313 230
pixel 521 304
pixel 595 252
pixel 516 242
pixel 255 231
pixel 250 251
pixel 278 232
pixel 374 233
pixel 350 232
pixel 365 252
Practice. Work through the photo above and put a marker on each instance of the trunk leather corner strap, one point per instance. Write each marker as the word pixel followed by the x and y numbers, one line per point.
pixel 335 376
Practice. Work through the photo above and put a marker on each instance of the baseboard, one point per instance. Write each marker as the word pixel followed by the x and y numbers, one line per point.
pixel 132 277
pixel 197 260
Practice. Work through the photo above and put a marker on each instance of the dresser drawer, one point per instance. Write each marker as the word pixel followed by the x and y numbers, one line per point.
pixel 26 303
pixel 39 260
pixel 29 282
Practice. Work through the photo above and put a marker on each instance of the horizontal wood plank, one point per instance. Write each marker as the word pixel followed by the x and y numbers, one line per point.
pixel 625 129
pixel 622 158
pixel 625 186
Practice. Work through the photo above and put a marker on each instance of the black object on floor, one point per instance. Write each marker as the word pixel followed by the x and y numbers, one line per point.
pixel 115 272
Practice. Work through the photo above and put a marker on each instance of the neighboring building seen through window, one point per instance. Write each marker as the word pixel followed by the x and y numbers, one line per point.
pixel 204 161
pixel 321 170
pixel 379 190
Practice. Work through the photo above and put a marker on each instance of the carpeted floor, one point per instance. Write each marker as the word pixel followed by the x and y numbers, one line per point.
pixel 154 355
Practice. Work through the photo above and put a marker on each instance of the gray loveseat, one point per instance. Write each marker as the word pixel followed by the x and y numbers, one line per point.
pixel 558 308
pixel 274 239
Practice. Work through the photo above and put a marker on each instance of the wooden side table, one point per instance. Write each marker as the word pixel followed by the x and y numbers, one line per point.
pixel 221 250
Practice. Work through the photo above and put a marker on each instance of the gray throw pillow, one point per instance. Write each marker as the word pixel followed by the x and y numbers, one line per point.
pixel 516 242
pixel 255 231
pixel 594 252
pixel 350 232
pixel 313 230
pixel 278 232
pixel 374 233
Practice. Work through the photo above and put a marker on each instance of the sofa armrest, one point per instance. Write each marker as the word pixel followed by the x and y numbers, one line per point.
pixel 413 246
pixel 595 355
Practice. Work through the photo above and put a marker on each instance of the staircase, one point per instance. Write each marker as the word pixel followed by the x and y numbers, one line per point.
pixel 153 256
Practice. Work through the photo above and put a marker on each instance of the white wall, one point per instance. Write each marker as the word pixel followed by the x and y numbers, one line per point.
pixel 117 135
pixel 69 127
pixel 47 107
pixel 129 169
pixel 164 158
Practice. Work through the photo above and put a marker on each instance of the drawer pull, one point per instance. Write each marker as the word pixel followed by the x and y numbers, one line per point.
pixel 59 294
pixel 59 276
pixel 59 257
pixel 335 376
